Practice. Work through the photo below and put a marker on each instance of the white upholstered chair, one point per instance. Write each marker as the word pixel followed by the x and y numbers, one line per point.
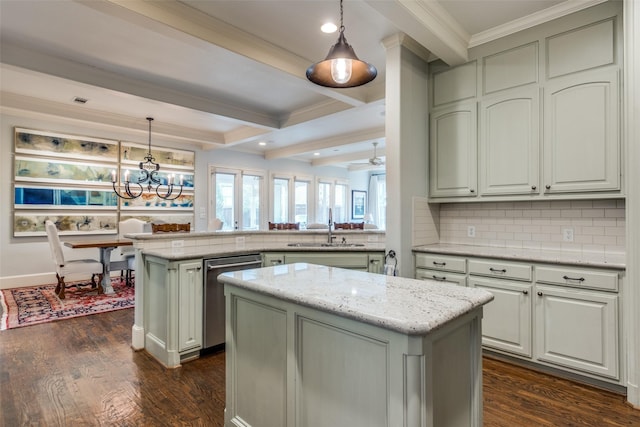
pixel 129 226
pixel 67 267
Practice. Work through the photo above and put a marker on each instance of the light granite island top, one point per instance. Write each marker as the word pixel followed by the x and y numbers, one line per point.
pixel 408 306
pixel 316 346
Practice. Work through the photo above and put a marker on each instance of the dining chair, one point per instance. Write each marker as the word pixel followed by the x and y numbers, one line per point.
pixel 75 266
pixel 131 225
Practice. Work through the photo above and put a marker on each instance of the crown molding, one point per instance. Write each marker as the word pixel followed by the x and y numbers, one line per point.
pixel 529 21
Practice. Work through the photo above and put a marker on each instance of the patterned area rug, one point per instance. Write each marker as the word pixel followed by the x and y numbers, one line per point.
pixel 40 304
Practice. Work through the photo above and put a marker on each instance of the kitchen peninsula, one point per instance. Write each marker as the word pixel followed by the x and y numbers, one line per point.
pixel 170 274
pixel 314 345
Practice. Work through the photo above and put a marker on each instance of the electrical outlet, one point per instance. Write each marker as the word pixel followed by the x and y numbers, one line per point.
pixel 567 234
pixel 372 238
pixel 240 242
pixel 471 231
pixel 177 243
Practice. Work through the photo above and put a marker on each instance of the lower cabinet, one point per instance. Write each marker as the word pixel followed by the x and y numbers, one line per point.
pixel 506 321
pixel 173 294
pixel 561 316
pixel 371 262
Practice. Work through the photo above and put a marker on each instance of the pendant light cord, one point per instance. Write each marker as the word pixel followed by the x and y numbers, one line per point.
pixel 341 22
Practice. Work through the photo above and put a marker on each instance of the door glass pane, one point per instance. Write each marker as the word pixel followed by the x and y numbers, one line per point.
pixel 324 203
pixel 340 204
pixel 280 200
pixel 302 203
pixel 382 202
pixel 251 202
pixel 225 195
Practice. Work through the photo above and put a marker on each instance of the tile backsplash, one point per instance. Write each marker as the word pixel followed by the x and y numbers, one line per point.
pixel 593 225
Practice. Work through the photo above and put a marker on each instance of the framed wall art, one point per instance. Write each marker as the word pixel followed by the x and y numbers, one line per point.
pixel 358 204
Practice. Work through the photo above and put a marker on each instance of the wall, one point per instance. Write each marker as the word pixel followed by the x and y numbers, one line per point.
pixel 598 225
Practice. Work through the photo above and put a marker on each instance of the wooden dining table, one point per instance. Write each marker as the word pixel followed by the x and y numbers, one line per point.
pixel 105 246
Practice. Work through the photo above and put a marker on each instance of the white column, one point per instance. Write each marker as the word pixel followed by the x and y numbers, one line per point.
pixel 631 96
pixel 406 130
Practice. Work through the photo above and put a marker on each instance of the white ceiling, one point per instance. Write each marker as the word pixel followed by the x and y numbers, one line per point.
pixel 231 73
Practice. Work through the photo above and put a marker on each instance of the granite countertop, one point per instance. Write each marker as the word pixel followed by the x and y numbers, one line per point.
pixel 408 306
pixel 191 252
pixel 581 259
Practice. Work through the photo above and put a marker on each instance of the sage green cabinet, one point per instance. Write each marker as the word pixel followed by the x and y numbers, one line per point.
pixel 510 143
pixel 581 143
pixel 173 295
pixel 371 262
pixel 453 158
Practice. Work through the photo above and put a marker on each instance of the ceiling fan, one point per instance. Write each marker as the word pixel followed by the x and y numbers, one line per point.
pixel 373 161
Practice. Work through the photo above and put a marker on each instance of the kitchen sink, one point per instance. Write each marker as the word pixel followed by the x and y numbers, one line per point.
pixel 325 245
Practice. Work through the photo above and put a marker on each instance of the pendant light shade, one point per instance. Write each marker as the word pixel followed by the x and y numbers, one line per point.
pixel 341 68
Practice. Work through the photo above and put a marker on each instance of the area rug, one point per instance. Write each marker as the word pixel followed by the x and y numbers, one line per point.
pixel 40 304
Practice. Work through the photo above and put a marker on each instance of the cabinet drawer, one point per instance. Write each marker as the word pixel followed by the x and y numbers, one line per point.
pixel 441 276
pixel 577 277
pixel 502 269
pixel 441 262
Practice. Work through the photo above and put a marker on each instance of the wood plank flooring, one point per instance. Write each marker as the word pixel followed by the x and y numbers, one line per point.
pixel 82 372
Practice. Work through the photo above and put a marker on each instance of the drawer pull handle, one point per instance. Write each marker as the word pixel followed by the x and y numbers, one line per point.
pixel 581 279
pixel 496 270
pixel 525 292
pixel 548 187
pixel 533 187
pixel 539 294
pixel 442 279
pixel 440 264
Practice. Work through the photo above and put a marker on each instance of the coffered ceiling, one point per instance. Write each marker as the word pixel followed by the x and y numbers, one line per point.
pixel 231 73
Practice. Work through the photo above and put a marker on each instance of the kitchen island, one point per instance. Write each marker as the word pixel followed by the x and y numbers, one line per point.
pixel 310 345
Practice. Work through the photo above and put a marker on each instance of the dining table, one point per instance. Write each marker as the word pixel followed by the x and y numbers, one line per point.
pixel 105 246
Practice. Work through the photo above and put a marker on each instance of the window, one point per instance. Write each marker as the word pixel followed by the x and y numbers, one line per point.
pixel 281 200
pixel 237 198
pixel 302 199
pixel 332 194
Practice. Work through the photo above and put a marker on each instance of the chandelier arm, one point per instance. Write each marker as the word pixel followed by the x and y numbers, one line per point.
pixel 128 194
pixel 168 194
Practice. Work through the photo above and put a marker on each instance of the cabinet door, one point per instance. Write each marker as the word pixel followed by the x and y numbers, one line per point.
pixel 190 298
pixel 577 329
pixel 509 143
pixel 354 261
pixel 441 276
pixel 453 151
pixel 581 142
pixel 506 321
pixel 376 263
pixel 271 259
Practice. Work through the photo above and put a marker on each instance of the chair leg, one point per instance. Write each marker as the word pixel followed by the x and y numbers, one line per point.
pixel 60 286
pixel 100 289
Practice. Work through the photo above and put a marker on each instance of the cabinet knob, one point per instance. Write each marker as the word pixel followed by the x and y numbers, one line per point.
pixel 533 187
pixel 526 292
pixel 539 294
pixel 472 190
pixel 548 187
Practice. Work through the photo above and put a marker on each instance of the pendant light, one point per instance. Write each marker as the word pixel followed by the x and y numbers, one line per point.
pixel 148 175
pixel 341 68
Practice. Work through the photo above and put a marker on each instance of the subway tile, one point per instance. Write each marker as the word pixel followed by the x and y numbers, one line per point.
pixel 614 213
pixel 593 213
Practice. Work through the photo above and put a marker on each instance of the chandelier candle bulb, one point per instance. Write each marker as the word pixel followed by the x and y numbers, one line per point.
pixel 181 179
pixel 113 176
pixel 126 176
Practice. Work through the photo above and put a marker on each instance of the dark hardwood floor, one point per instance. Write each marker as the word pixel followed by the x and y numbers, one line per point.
pixel 82 372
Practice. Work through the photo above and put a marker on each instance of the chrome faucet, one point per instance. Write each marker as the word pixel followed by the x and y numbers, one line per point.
pixel 330 236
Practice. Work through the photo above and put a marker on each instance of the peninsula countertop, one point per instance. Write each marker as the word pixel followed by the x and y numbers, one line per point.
pixel 577 258
pixel 409 306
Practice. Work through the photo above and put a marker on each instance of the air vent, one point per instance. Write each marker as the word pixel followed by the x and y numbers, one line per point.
pixel 80 100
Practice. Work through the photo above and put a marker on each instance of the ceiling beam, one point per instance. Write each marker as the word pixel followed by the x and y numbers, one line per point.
pixel 29 106
pixel 187 20
pixel 320 144
pixel 70 70
pixel 348 157
pixel 429 24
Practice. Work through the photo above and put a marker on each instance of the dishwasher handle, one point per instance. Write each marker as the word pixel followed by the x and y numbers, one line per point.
pixel 238 264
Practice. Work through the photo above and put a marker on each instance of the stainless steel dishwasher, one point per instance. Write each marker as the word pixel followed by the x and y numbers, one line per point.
pixel 214 319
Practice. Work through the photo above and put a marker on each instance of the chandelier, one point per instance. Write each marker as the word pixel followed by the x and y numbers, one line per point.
pixel 148 177
pixel 341 68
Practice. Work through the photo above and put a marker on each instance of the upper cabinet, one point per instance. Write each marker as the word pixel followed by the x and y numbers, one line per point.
pixel 532 116
pixel 453 151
